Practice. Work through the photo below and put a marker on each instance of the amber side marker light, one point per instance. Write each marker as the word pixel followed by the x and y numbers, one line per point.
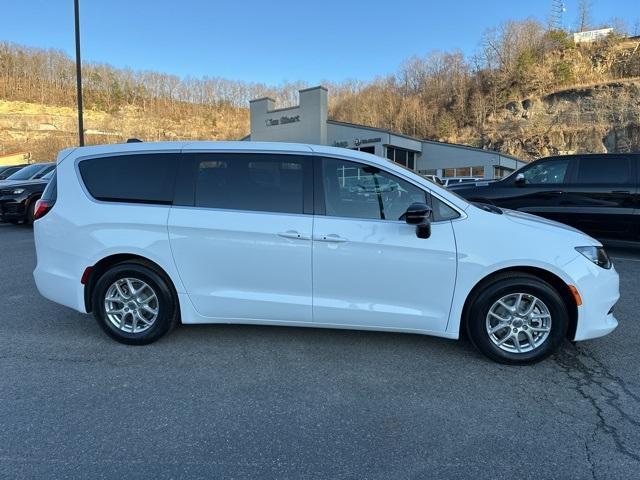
pixel 576 294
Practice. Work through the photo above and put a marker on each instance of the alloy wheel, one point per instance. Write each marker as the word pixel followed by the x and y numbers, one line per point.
pixel 518 323
pixel 131 305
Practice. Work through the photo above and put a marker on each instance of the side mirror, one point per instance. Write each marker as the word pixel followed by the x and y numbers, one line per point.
pixel 418 214
pixel 520 181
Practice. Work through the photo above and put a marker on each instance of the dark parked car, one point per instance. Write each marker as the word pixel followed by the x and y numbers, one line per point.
pixel 30 172
pixel 18 200
pixel 6 170
pixel 595 193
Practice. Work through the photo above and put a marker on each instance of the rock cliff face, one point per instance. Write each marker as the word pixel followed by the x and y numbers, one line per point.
pixel 43 130
pixel 597 118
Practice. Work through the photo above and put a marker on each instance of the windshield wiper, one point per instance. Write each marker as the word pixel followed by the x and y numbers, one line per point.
pixel 488 207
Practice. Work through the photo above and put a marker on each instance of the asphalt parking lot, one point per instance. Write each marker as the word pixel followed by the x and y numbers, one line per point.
pixel 265 402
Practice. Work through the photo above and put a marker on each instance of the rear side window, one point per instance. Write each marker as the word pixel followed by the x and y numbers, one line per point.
pixel 8 171
pixel 142 178
pixel 25 173
pixel 50 193
pixel 43 172
pixel 601 170
pixel 253 182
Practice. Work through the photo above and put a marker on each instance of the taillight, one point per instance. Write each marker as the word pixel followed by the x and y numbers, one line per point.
pixel 41 209
pixel 85 276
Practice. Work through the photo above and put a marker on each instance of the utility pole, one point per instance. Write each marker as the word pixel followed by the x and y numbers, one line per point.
pixel 79 74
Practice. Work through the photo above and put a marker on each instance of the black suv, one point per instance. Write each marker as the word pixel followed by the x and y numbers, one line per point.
pixel 595 193
pixel 18 200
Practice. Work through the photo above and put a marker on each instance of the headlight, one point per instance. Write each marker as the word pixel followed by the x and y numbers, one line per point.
pixel 597 255
pixel 17 191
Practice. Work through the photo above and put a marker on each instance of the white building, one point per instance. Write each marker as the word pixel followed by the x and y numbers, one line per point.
pixel 591 36
pixel 308 123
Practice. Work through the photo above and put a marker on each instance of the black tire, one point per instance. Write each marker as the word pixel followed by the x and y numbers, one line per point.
pixel 31 213
pixel 167 302
pixel 501 286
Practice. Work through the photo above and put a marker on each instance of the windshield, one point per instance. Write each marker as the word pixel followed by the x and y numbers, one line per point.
pixel 26 173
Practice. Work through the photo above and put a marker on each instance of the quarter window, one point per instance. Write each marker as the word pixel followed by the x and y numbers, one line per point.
pixel 603 170
pixel 442 211
pixel 360 191
pixel 142 178
pixel 265 183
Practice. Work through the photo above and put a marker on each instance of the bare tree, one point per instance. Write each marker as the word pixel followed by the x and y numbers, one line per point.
pixel 584 15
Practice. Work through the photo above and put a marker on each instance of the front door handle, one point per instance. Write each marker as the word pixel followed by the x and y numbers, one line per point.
pixel 621 192
pixel 556 192
pixel 332 237
pixel 294 235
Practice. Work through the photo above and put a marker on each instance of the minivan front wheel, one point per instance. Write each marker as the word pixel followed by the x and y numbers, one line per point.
pixel 134 304
pixel 517 319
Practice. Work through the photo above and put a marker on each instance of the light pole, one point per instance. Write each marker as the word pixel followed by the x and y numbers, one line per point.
pixel 79 74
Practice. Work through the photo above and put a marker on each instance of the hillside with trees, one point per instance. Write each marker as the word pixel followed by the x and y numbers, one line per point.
pixel 529 91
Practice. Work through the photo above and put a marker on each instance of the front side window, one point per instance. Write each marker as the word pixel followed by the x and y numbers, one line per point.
pixel 546 172
pixel 356 190
pixel 254 182
pixel 141 178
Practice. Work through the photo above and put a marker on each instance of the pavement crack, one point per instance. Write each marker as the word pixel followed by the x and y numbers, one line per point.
pixel 594 382
pixel 587 450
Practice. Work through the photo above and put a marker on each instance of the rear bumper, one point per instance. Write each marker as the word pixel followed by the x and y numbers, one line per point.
pixel 59 288
pixel 57 274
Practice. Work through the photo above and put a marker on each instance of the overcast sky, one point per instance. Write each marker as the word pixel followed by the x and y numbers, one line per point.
pixel 277 40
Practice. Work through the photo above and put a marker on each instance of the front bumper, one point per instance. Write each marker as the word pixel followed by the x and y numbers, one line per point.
pixel 600 291
pixel 13 208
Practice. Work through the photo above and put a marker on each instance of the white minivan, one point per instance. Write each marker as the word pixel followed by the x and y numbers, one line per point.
pixel 147 235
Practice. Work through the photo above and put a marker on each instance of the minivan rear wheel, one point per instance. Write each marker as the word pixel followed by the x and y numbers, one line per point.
pixel 133 304
pixel 517 319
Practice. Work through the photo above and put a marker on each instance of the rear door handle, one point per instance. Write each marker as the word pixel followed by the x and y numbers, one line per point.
pixel 556 192
pixel 332 237
pixel 294 235
pixel 622 192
